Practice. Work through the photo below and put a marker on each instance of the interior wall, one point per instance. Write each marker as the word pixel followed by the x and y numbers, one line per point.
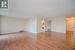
pixel 31 24
pixel 38 24
pixel 34 24
pixel 58 24
pixel 0 23
pixel 11 24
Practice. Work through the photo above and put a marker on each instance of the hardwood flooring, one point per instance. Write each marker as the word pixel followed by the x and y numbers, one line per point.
pixel 39 41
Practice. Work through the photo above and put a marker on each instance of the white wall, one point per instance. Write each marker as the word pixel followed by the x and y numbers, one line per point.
pixel 11 24
pixel 0 23
pixel 58 24
pixel 38 24
pixel 31 24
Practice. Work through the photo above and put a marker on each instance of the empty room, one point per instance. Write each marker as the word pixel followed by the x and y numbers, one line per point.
pixel 37 24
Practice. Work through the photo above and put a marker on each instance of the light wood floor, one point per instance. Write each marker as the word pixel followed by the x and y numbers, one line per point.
pixel 39 41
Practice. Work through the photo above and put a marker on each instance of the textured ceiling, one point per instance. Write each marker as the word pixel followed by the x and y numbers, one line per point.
pixel 29 8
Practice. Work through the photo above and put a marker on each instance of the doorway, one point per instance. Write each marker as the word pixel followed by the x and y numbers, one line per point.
pixel 49 26
pixel 70 30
